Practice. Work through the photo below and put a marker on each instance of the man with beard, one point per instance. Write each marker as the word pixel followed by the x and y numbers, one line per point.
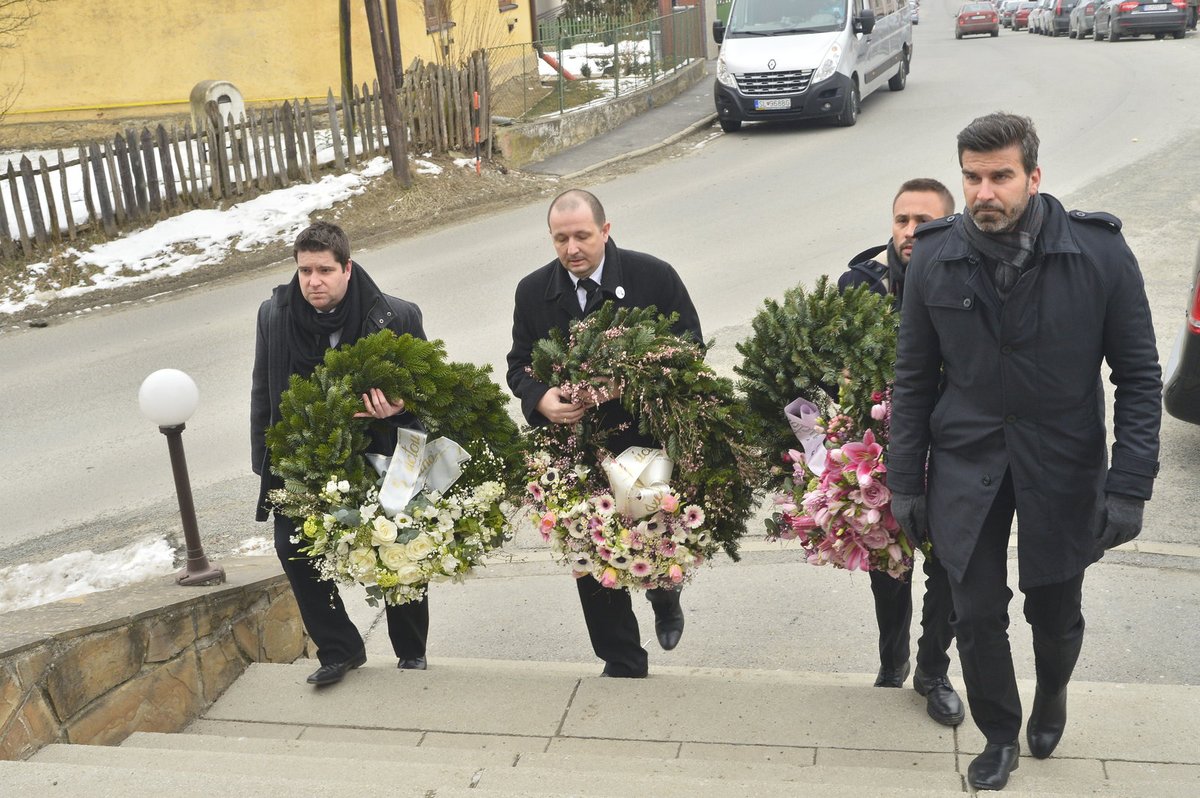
pixel 1009 311
pixel 590 269
pixel 882 268
pixel 330 302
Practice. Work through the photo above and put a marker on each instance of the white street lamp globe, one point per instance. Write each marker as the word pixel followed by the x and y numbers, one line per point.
pixel 168 397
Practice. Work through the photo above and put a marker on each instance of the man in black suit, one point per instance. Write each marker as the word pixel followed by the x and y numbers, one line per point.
pixel 590 269
pixel 882 268
pixel 331 301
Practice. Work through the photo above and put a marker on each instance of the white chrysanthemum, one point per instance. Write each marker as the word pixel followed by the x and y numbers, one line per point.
pixel 343 486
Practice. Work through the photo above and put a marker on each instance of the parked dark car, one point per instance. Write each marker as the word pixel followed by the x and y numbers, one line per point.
pixel 1020 20
pixel 1117 18
pixel 1056 20
pixel 1181 396
pixel 1083 19
pixel 976 18
pixel 1007 8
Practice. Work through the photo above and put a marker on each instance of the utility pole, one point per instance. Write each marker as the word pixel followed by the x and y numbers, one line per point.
pixel 397 135
pixel 393 19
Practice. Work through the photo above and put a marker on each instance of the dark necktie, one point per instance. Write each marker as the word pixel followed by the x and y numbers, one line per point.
pixel 589 287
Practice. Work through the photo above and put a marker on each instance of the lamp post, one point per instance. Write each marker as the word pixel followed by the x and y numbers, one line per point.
pixel 168 397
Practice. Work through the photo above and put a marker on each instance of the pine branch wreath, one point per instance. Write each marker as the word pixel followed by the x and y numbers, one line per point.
pixel 835 349
pixel 678 400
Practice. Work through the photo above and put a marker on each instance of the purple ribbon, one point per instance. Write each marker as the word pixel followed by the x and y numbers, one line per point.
pixel 802 415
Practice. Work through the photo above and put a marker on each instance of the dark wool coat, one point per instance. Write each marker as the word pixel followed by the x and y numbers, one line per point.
pixel 984 386
pixel 546 300
pixel 271 367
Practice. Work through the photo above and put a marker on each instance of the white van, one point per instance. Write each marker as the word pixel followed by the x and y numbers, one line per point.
pixel 807 59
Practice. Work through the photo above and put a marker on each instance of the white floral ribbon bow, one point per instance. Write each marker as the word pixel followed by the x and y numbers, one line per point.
pixel 802 415
pixel 417 464
pixel 638 478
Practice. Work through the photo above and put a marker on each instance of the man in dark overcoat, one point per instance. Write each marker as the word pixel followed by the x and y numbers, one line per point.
pixel 591 269
pixel 1009 311
pixel 882 268
pixel 331 301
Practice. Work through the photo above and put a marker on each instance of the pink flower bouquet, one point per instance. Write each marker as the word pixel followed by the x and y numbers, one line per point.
pixel 839 507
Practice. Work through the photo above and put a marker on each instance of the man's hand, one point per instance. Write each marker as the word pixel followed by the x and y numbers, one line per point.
pixel 1121 521
pixel 909 511
pixel 558 410
pixel 379 406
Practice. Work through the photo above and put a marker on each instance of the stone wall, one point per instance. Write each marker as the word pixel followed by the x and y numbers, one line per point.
pixel 147 657
pixel 535 141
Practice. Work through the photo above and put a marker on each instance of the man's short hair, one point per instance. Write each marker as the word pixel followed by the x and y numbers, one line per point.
pixel 997 131
pixel 574 197
pixel 323 237
pixel 930 185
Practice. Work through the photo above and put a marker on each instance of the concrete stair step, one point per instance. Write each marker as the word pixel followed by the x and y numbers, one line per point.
pixel 279 766
pixel 322 749
pixel 53 779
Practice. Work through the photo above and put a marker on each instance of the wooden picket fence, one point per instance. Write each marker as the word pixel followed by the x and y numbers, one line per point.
pixel 138 178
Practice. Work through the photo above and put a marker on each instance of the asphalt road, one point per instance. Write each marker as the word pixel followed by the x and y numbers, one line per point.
pixel 741 216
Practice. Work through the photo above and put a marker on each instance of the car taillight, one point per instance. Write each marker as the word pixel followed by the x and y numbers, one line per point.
pixel 1128 6
pixel 1180 4
pixel 1194 312
pixel 1058 8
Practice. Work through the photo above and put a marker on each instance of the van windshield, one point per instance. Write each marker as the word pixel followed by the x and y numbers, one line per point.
pixel 782 17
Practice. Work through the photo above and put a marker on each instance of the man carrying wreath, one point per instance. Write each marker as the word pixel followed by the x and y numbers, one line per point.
pixel 330 302
pixel 590 269
pixel 882 268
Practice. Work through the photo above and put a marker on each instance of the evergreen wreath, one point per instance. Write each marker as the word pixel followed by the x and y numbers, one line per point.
pixel 836 349
pixel 678 400
pixel 331 491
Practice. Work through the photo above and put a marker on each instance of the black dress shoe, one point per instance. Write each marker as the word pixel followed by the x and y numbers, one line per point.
pixel 415 664
pixel 334 671
pixel 941 702
pixel 990 770
pixel 668 619
pixel 1047 722
pixel 892 677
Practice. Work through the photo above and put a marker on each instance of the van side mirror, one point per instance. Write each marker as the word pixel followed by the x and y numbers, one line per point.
pixel 718 31
pixel 864 22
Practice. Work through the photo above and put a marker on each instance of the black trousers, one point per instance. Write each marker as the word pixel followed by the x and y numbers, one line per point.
pixel 324 614
pixel 612 626
pixel 893 614
pixel 1054 613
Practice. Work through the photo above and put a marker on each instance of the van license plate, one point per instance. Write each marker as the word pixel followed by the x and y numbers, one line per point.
pixel 772 105
pixel 1155 7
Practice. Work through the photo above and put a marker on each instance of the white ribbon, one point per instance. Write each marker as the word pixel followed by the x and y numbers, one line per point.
pixel 802 415
pixel 416 465
pixel 638 478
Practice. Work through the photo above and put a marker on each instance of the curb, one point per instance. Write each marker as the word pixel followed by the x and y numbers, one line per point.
pixel 668 141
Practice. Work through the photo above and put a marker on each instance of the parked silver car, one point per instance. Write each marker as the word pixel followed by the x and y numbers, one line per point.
pixel 1083 19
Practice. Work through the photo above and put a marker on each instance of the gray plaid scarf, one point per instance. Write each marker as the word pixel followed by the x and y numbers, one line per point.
pixel 1009 253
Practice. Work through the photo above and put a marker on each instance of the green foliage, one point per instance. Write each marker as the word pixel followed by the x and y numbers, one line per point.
pixel 318 435
pixel 834 349
pixel 677 399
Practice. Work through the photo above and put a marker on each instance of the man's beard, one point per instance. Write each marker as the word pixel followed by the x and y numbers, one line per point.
pixel 1003 222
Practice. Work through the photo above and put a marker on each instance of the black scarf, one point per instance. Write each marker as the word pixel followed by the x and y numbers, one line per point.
pixel 1008 253
pixel 309 331
pixel 895 272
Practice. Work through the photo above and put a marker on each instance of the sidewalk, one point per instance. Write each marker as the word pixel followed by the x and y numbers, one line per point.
pixel 657 127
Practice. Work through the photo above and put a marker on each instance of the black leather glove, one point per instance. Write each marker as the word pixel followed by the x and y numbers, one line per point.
pixel 1121 521
pixel 909 511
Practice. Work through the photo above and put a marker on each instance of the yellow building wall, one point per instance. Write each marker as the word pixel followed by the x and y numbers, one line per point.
pixel 90 58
